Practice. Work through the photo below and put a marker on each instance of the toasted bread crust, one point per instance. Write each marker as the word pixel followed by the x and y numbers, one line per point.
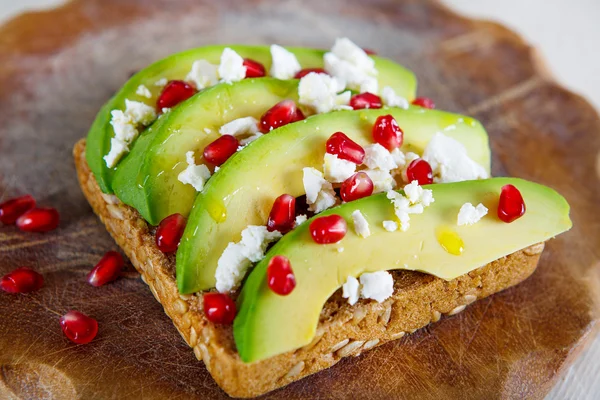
pixel 343 330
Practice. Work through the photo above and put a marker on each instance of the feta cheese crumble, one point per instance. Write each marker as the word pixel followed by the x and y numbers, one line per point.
pixel 361 226
pixel 300 219
pixel 161 82
pixel 319 93
pixel 240 126
pixel 390 226
pixel 140 113
pixel 351 290
pixel 337 170
pixel 377 285
pixel 391 99
pixel 203 74
pixel 378 157
pixel 414 202
pixel 450 162
pixel 195 175
pixel 350 63
pixel 382 180
pixel 232 67
pixel 143 91
pixel 237 257
pixel 469 215
pixel 319 192
pixel 284 65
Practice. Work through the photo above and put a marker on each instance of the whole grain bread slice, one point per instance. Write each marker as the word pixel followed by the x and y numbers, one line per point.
pixel 343 330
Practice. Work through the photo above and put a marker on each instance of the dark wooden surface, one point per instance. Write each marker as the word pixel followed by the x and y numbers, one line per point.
pixel 58 67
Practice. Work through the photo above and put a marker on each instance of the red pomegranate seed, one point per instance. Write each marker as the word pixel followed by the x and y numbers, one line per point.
pixel 283 214
pixel 22 280
pixel 424 102
pixel 39 220
pixel 345 148
pixel 280 114
pixel 387 133
pixel 419 170
pixel 280 276
pixel 219 308
pixel 254 69
pixel 174 93
pixel 12 209
pixel 365 100
pixel 107 270
pixel 221 149
pixel 329 229
pixel 511 205
pixel 303 72
pixel 370 52
pixel 169 232
pixel 356 187
pixel 78 327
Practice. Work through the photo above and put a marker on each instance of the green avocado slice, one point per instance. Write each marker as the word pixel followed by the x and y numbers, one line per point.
pixel 242 192
pixel 268 324
pixel 178 65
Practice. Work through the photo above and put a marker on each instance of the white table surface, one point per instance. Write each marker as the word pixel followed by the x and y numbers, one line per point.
pixel 567 33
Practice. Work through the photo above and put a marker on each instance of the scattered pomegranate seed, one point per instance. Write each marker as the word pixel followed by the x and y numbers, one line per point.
pixel 365 100
pixel 329 229
pixel 12 209
pixel 303 72
pixel 169 232
pixel 254 69
pixel 221 149
pixel 107 270
pixel 283 214
pixel 280 276
pixel 356 187
pixel 345 148
pixel 511 205
pixel 424 102
pixel 387 133
pixel 78 327
pixel 419 170
pixel 280 114
pixel 22 280
pixel 370 52
pixel 39 220
pixel 219 308
pixel 174 93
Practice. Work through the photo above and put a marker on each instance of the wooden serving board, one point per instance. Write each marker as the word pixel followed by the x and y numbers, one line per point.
pixel 58 67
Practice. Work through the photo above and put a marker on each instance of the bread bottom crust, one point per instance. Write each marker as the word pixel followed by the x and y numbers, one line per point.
pixel 343 330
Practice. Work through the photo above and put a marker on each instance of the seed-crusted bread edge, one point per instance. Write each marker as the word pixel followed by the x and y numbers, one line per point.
pixel 343 330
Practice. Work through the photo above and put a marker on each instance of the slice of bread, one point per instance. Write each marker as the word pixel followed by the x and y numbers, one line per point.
pixel 343 330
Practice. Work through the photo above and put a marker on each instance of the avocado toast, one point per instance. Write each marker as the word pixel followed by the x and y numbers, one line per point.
pixel 321 292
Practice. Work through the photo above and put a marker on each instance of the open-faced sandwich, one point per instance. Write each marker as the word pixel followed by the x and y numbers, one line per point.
pixel 289 207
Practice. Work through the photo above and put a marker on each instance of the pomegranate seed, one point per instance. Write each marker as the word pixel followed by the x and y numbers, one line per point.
pixel 280 114
pixel 12 209
pixel 424 102
pixel 511 205
pixel 174 93
pixel 219 308
pixel 221 149
pixel 370 52
pixel 283 214
pixel 39 220
pixel 169 232
pixel 419 170
pixel 345 148
pixel 365 100
pixel 254 69
pixel 303 72
pixel 280 276
pixel 387 133
pixel 329 229
pixel 107 270
pixel 356 187
pixel 22 280
pixel 78 327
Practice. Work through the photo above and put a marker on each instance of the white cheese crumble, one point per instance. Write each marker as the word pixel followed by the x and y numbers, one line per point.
pixel 415 202
pixel 203 74
pixel 237 257
pixel 232 67
pixel 390 226
pixel 165 110
pixel 284 65
pixel 143 91
pixel 399 157
pixel 319 192
pixel 351 290
pixel 246 141
pixel 469 215
pixel 195 175
pixel 350 63
pixel 450 162
pixel 140 113
pixel 161 82
pixel 391 99
pixel 240 126
pixel 377 285
pixel 416 194
pixel 382 180
pixel 378 157
pixel 319 93
pixel 361 226
pixel 300 219
pixel 337 170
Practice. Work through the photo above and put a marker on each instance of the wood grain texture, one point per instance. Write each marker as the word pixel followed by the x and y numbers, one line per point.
pixel 58 67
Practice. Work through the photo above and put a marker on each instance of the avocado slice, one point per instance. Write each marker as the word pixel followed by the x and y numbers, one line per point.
pixel 268 324
pixel 272 165
pixel 178 65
